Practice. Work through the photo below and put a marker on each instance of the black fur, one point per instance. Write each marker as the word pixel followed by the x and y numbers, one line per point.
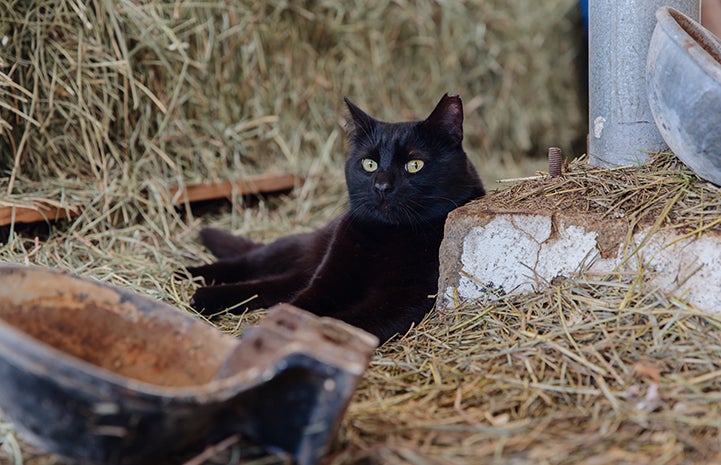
pixel 375 266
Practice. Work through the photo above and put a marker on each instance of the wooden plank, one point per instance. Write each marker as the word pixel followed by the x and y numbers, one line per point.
pixel 262 183
pixel 36 213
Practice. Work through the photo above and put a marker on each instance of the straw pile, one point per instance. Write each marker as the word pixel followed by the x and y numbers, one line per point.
pixel 106 104
pixel 664 192
pixel 591 370
pixel 596 370
pixel 125 92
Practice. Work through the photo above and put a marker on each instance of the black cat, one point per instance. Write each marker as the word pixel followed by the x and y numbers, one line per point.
pixel 376 266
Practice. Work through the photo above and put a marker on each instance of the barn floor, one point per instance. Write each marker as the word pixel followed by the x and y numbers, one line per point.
pixel 588 370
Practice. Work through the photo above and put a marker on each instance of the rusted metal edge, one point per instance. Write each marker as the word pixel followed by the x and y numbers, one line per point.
pixel 38 212
pixel 263 183
pixel 284 385
pixel 225 189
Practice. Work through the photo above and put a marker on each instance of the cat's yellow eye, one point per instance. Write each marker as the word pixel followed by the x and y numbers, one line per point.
pixel 369 165
pixel 414 166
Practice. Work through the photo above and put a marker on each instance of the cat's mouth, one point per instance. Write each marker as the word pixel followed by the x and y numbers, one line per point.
pixel 388 212
pixel 384 211
pixel 384 206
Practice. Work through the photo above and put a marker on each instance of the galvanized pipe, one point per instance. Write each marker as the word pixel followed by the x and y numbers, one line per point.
pixel 621 127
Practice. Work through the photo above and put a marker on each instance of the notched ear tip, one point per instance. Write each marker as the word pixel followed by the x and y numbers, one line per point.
pixel 453 101
pixel 448 116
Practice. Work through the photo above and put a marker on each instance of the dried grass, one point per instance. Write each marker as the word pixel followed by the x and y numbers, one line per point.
pixel 591 370
pixel 664 193
pixel 584 372
pixel 201 90
pixel 587 371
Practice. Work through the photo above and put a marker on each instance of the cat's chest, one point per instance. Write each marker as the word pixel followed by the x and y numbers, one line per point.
pixel 388 253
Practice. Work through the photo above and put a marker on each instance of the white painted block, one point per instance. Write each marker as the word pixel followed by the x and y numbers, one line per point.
pixel 486 253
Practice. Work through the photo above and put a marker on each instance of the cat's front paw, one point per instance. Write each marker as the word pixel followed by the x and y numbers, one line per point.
pixel 206 272
pixel 207 300
pixel 225 245
pixel 220 272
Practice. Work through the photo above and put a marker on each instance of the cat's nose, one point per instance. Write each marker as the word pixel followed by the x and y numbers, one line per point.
pixel 383 183
pixel 382 186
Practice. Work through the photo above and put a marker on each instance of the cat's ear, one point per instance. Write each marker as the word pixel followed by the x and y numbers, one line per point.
pixel 448 117
pixel 360 120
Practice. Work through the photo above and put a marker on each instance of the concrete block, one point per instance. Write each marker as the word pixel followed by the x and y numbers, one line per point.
pixel 489 251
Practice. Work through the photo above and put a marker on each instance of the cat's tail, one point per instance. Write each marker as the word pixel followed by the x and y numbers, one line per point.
pixel 225 245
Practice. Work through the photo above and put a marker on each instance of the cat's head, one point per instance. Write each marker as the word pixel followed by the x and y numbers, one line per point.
pixel 409 173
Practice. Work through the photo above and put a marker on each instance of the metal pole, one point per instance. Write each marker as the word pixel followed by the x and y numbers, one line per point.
pixel 621 126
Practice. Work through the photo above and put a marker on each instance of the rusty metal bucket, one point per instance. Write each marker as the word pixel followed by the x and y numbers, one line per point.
pixel 98 374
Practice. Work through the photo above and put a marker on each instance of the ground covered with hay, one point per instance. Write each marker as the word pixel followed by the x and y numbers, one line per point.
pixel 594 369
pixel 591 370
pixel 106 105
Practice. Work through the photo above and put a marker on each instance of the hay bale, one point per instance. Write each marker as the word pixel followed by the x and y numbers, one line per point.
pixel 211 90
